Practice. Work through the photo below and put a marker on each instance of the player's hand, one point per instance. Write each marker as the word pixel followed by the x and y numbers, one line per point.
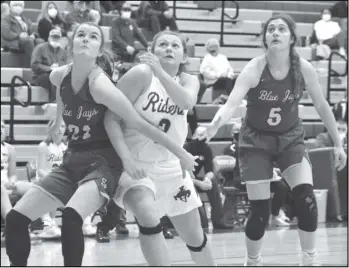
pixel 151 60
pixel 10 185
pixel 203 185
pixel 209 132
pixel 133 170
pixel 340 157
pixel 188 163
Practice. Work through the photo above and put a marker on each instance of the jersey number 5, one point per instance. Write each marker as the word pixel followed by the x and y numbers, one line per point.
pixel 274 116
pixel 76 130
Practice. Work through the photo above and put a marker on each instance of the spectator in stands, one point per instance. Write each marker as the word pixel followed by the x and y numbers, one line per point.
pixel 46 57
pixel 124 34
pixel 208 183
pixel 48 19
pixel 327 34
pixel 112 7
pixel 95 16
pixel 16 31
pixel 155 16
pixel 5 10
pixel 339 12
pixel 79 15
pixel 340 109
pixel 216 69
pixel 8 172
pixel 325 140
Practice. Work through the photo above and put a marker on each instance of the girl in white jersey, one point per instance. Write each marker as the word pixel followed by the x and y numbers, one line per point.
pixel 162 94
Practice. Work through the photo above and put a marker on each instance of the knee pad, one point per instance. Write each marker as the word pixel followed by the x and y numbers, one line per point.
pixel 258 219
pixel 306 206
pixel 71 217
pixel 150 230
pixel 15 220
pixel 199 248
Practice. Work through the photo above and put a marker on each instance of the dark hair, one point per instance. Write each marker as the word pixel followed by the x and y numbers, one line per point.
pixel 182 66
pixel 104 61
pixel 294 57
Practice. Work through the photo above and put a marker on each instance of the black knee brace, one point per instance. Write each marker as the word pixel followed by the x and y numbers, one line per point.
pixel 258 219
pixel 306 206
pixel 17 238
pixel 150 230
pixel 199 248
pixel 73 245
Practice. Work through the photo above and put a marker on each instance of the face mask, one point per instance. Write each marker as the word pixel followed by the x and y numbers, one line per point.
pixel 125 14
pixel 17 10
pixel 52 12
pixel 54 44
pixel 326 17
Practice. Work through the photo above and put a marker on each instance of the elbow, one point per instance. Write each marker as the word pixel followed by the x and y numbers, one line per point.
pixel 188 103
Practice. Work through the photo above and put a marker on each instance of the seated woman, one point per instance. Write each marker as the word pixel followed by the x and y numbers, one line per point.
pixel 327 35
pixel 216 69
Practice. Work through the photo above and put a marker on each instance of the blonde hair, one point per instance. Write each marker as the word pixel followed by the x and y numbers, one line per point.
pixel 182 66
pixel 211 42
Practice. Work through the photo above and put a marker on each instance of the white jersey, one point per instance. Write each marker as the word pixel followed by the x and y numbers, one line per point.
pixel 4 162
pixel 157 107
pixel 54 155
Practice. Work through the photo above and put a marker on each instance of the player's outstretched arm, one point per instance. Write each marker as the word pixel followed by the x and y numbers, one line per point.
pixel 323 108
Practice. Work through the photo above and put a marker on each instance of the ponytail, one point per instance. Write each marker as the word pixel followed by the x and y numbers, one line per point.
pixel 296 73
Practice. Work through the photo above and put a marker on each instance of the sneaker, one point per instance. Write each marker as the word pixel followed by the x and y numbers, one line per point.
pixel 89 229
pixel 278 221
pixel 49 232
pixel 102 235
pixel 283 216
pixel 253 261
pixel 308 259
pixel 121 229
pixel 167 234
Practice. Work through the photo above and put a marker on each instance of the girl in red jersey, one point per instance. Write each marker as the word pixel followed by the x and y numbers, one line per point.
pixel 272 131
pixel 90 170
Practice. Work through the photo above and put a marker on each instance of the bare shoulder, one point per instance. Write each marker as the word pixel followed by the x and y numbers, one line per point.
pixel 308 71
pixel 185 78
pixel 42 146
pixel 253 71
pixel 59 73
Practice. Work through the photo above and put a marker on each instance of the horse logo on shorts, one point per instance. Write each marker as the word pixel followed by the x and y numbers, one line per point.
pixel 182 194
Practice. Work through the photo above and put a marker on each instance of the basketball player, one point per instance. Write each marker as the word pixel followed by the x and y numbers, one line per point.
pixel 163 95
pixel 90 170
pixel 272 130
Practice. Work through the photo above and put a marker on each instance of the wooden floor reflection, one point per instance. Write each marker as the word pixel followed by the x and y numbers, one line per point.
pixel 281 248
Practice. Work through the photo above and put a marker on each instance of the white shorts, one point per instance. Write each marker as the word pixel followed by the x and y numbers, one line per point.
pixel 174 194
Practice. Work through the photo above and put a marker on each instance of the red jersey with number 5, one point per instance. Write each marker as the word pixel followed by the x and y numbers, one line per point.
pixel 272 105
pixel 83 117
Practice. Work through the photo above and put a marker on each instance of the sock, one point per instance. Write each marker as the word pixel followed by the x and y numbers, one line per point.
pixel 253 247
pixel 155 250
pixel 17 238
pixel 73 244
pixel 307 240
pixel 205 256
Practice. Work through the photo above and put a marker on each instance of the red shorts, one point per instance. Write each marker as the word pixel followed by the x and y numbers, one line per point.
pixel 259 152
